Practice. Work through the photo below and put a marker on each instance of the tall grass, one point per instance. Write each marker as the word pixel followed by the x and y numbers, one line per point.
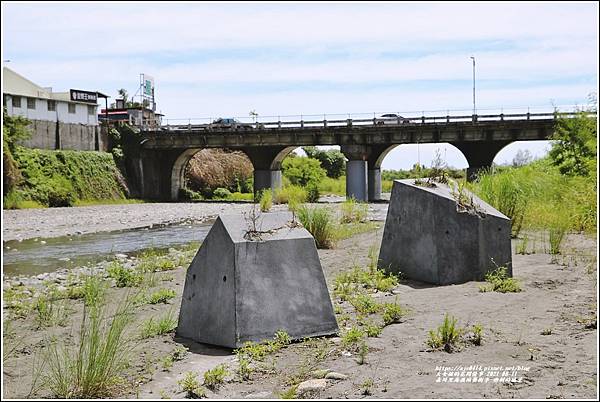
pixel 537 196
pixel 319 222
pixel 93 367
pixel 333 186
pixel 266 200
pixel 291 193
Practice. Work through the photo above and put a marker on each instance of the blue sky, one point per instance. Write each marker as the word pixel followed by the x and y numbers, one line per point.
pixel 225 59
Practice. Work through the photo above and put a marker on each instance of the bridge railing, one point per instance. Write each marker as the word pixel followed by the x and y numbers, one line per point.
pixel 349 120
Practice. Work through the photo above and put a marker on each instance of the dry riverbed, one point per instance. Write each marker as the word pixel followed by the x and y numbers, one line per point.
pixel 548 330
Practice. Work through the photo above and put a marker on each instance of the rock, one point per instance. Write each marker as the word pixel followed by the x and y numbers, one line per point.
pixel 319 373
pixel 310 387
pixel 259 395
pixel 346 353
pixel 121 256
pixel 332 375
pixel 43 242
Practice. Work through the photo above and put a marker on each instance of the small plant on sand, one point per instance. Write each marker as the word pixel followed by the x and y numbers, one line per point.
pixel 50 312
pixel 215 377
pixel 124 277
pixel 177 354
pixel 363 350
pixel 190 384
pixel 353 211
pixel 372 330
pixel 499 281
pixel 547 331
pixel 522 245
pixel 282 338
pixel 556 235
pixel 477 334
pixel 367 387
pixel 392 312
pixel 352 337
pixel 365 304
pixel 446 336
pixel 93 367
pixel 244 369
pixel 266 200
pixel 162 325
pixel 290 393
pixel 318 221
pixel 161 296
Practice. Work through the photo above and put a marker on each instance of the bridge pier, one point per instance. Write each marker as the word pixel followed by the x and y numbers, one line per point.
pixel 356 172
pixel 479 154
pixel 374 183
pixel 266 179
pixel 266 161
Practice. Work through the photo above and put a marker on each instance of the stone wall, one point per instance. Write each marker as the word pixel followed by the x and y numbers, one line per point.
pixel 53 135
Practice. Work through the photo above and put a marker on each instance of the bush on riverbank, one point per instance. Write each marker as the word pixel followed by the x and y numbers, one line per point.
pixel 61 178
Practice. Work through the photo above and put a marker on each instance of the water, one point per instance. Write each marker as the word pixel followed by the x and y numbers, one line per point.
pixel 33 257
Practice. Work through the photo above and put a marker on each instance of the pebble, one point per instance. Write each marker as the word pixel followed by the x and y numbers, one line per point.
pixel 121 256
pixel 259 395
pixel 346 353
pixel 320 373
pixel 43 242
pixel 310 387
pixel 335 376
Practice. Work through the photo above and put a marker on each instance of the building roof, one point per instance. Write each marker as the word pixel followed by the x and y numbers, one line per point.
pixel 15 84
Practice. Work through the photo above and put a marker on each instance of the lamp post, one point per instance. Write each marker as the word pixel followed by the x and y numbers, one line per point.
pixel 474 109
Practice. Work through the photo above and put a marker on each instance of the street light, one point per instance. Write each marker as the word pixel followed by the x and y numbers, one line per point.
pixel 474 109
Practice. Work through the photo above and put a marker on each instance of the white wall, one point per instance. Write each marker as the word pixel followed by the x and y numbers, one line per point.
pixel 41 112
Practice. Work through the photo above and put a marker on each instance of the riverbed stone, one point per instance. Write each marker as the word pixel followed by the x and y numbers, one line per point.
pixel 432 238
pixel 250 280
pixel 311 387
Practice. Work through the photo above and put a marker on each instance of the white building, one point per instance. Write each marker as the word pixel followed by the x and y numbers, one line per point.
pixel 58 122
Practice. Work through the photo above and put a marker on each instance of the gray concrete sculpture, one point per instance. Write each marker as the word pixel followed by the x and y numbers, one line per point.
pixel 442 235
pixel 251 278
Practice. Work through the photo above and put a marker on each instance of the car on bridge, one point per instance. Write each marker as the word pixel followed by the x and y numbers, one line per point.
pixel 229 123
pixel 391 118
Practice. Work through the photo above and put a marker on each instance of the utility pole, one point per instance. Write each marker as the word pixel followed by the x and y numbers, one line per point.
pixel 474 108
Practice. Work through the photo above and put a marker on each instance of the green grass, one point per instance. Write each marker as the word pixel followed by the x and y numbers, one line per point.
pixel 319 222
pixel 351 337
pixel 94 365
pixel 294 194
pixel 477 336
pixel 50 312
pixel 365 304
pixel 190 384
pixel 446 336
pixel 266 200
pixel 392 312
pixel 162 325
pixel 499 281
pixel 333 186
pixel 121 201
pixel 348 230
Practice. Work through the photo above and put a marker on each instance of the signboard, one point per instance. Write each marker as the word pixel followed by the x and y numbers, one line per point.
pixel 84 96
pixel 148 85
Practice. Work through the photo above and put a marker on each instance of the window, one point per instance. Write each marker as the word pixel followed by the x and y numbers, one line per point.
pixel 51 105
pixel 72 108
pixel 17 101
pixel 30 103
pixel 91 110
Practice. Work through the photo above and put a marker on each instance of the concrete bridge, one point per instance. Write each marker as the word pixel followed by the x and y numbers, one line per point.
pixel 165 153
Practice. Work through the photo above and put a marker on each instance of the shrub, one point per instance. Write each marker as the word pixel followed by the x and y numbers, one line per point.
pixel 302 171
pixel 317 221
pixel 221 193
pixel 213 378
pixel 313 194
pixel 332 160
pixel 392 312
pixel 210 169
pixel 447 335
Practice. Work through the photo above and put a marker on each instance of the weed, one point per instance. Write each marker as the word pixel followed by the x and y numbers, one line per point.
pixel 162 325
pixel 266 200
pixel 337 309
pixel 351 337
pixel 363 350
pixel 49 312
pixel 499 281
pixel 282 338
pixel 353 211
pixel 447 335
pixel 244 369
pixel 547 331
pixel 93 367
pixel 522 245
pixel 161 296
pixel 215 377
pixel 556 236
pixel 190 384
pixel 392 312
pixel 290 393
pixel 365 304
pixel 477 336
pixel 123 277
pixel 372 330
pixel 367 386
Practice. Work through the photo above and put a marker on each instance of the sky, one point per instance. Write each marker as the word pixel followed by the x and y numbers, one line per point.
pixel 213 60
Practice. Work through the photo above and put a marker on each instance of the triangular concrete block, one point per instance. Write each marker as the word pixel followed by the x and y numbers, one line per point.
pixel 429 237
pixel 248 281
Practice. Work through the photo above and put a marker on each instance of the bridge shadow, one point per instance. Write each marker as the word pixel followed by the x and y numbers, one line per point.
pixel 417 284
pixel 203 348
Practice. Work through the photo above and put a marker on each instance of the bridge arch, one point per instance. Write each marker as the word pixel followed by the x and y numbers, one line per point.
pixel 180 164
pixel 536 148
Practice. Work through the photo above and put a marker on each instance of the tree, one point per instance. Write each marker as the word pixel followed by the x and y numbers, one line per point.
pixel 14 129
pixel 332 160
pixel 522 158
pixel 123 93
pixel 303 171
pixel 574 151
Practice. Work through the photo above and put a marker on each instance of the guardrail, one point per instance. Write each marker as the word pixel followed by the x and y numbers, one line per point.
pixel 375 121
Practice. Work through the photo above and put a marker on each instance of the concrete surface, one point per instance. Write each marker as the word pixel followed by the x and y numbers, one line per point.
pixel 239 289
pixel 428 239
